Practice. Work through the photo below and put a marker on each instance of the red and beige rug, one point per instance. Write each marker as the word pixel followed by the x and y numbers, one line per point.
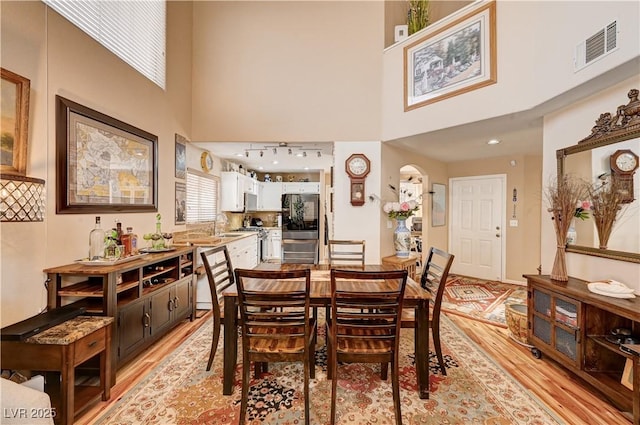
pixel 475 391
pixel 483 300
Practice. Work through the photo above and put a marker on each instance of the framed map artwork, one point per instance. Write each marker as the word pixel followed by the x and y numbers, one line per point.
pixel 102 164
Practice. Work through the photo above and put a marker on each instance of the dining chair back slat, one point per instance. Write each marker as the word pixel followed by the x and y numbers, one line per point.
pixel 434 279
pixel 219 270
pixel 365 324
pixel 276 325
pixel 346 252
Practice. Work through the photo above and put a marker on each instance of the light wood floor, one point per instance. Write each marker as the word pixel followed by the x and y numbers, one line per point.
pixel 565 394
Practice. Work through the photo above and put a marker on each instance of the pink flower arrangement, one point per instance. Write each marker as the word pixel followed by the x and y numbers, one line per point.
pixel 582 210
pixel 400 210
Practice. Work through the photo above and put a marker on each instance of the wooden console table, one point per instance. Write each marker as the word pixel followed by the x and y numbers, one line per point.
pixel 570 324
pixel 404 263
pixel 61 349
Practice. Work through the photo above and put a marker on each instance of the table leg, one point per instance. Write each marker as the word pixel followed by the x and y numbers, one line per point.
pixel 636 390
pixel 67 385
pixel 422 348
pixel 230 344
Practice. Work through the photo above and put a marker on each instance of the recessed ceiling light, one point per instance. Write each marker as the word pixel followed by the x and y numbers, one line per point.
pixel 274 163
pixel 299 154
pixel 261 168
pixel 239 154
pixel 493 142
pixel 306 168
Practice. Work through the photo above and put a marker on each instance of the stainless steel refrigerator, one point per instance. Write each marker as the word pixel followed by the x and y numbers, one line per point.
pixel 300 228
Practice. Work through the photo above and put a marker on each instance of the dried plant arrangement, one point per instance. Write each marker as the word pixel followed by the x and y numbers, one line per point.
pixel 607 205
pixel 563 194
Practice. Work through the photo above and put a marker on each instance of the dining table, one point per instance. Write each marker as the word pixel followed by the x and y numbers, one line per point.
pixel 415 297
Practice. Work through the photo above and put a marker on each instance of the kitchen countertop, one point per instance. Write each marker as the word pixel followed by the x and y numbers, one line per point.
pixel 211 241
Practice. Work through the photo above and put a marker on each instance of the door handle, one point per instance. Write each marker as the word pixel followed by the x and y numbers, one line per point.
pixel 497 235
pixel 146 319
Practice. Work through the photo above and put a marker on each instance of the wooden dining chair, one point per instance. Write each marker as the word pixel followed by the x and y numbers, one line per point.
pixel 217 265
pixel 433 279
pixel 276 326
pixel 366 308
pixel 346 252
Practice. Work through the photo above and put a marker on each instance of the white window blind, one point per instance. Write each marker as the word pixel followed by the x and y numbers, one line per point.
pixel 135 31
pixel 202 197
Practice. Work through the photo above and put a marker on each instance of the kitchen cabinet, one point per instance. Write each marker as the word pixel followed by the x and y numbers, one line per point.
pixel 273 245
pixel 301 187
pixel 244 252
pixel 233 186
pixel 147 296
pixel 270 196
pixel 570 324
pixel 231 191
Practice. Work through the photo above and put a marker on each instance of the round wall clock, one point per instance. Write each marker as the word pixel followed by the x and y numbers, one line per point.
pixel 206 161
pixel 624 163
pixel 357 167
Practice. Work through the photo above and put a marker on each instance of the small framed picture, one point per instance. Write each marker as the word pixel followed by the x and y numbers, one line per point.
pixel 181 203
pixel 181 157
pixel 439 205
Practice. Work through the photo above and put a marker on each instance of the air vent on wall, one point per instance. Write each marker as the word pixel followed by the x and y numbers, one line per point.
pixel 598 45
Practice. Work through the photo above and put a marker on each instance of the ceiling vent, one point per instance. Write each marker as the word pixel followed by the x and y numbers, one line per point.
pixel 598 45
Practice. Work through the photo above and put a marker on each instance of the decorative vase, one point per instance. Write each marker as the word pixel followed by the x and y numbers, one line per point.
pixel 402 239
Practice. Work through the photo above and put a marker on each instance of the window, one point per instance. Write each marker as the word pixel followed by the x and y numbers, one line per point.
pixel 202 197
pixel 135 31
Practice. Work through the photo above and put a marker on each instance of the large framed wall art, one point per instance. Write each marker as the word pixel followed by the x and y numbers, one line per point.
pixel 454 59
pixel 103 164
pixel 15 91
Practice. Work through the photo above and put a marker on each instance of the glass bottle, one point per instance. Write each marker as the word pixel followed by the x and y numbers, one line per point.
pixel 119 232
pixel 157 241
pixel 134 241
pixel 96 242
pixel 111 249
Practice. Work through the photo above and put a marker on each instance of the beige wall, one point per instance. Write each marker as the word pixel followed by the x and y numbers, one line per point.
pixel 61 60
pixel 287 71
pixel 522 242
pixel 564 128
pixel 535 51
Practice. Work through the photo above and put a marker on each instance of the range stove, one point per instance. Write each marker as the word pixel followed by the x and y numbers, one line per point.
pixel 262 233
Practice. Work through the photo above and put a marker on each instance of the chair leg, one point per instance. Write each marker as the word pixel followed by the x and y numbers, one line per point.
pixel 384 371
pixel 395 384
pixel 438 348
pixel 246 366
pixel 334 388
pixel 214 342
pixel 307 367
pixel 312 361
pixel 329 358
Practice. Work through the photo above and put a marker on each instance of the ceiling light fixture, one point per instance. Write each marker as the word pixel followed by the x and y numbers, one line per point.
pixel 493 142
pixel 304 153
pixel 246 153
pixel 275 151
pixel 261 153
pixel 319 154
pixel 289 151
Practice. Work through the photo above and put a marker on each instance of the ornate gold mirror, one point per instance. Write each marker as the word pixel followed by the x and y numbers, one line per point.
pixel 610 153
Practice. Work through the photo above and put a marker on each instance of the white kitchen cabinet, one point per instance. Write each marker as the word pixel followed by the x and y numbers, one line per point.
pixel 270 196
pixel 244 252
pixel 301 187
pixel 250 185
pixel 232 191
pixel 273 245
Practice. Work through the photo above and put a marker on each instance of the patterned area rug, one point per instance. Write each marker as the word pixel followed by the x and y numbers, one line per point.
pixel 483 300
pixel 475 390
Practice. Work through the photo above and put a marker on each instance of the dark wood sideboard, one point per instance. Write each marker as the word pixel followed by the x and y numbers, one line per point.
pixel 569 323
pixel 146 296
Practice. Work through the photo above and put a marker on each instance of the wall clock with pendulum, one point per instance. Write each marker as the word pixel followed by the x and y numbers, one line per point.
pixel 624 163
pixel 357 167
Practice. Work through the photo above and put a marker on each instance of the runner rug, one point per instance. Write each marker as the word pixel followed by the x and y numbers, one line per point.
pixel 483 300
pixel 475 390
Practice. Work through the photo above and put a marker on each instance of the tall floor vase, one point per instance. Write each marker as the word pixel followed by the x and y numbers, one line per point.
pixel 402 239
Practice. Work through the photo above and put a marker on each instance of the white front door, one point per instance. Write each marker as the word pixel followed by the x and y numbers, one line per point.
pixel 477 226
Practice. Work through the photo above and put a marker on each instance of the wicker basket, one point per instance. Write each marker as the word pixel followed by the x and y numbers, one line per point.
pixel 516 317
